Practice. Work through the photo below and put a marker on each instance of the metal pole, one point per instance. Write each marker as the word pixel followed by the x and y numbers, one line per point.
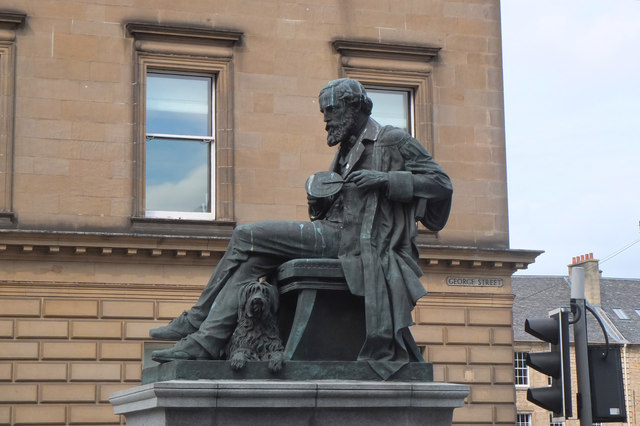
pixel 580 339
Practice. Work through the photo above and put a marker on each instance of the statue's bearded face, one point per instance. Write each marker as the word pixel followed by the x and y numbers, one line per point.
pixel 339 117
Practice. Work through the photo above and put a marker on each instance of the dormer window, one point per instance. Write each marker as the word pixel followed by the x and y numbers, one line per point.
pixel 620 313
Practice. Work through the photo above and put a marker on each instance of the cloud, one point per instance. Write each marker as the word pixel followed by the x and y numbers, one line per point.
pixel 188 194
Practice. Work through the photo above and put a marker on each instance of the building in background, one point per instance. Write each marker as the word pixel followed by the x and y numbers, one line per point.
pixel 617 302
pixel 136 134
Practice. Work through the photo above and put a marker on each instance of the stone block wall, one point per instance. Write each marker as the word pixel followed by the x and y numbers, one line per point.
pixel 75 97
pixel 61 358
pixel 468 338
pixel 62 355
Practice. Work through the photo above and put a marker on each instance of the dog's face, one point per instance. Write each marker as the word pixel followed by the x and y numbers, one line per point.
pixel 257 300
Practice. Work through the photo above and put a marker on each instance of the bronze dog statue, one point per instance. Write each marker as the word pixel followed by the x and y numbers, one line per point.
pixel 257 337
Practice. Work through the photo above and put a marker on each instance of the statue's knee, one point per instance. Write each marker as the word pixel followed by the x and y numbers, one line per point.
pixel 242 233
pixel 238 231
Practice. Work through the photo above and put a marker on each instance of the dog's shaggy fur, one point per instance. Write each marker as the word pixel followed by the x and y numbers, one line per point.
pixel 257 337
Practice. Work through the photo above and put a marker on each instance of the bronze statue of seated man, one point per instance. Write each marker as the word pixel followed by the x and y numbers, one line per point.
pixel 390 182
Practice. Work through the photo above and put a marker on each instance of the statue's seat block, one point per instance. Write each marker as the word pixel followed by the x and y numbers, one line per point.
pixel 309 271
pixel 320 320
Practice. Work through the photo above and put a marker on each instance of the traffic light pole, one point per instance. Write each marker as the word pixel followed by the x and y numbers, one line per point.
pixel 578 307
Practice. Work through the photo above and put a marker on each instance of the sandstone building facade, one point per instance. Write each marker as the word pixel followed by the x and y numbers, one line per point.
pixel 111 220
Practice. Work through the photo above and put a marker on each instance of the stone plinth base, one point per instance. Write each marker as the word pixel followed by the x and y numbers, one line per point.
pixel 283 403
pixel 291 370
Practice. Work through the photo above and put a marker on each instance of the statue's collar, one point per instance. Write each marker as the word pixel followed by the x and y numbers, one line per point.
pixel 348 157
pixel 370 131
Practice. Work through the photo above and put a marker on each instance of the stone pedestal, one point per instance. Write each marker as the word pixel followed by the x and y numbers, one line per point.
pixel 283 403
pixel 291 371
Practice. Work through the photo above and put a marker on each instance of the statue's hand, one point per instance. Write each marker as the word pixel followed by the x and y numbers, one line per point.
pixel 368 179
pixel 312 201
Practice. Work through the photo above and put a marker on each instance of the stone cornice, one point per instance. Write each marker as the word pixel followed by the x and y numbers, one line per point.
pixel 12 18
pixel 109 246
pixel 390 51
pixel 190 41
pixel 474 257
pixel 9 21
pixel 477 300
pixel 393 58
pixel 136 247
pixel 143 291
pixel 143 30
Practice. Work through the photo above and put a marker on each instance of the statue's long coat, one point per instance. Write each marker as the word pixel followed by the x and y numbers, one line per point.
pixel 378 251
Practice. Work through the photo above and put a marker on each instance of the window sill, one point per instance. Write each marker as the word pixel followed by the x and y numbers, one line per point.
pixel 180 216
pixel 165 226
pixel 8 220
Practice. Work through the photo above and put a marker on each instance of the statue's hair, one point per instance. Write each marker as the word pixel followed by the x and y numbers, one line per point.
pixel 351 91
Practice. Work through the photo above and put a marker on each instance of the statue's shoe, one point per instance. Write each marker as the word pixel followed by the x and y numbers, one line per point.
pixel 177 329
pixel 185 349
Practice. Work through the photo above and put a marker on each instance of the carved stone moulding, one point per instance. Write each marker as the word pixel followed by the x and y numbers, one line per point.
pixel 9 21
pixel 183 39
pixel 473 258
pixel 81 246
pixel 102 246
pixel 395 54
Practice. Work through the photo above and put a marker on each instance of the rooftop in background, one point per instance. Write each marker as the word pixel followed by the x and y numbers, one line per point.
pixel 536 295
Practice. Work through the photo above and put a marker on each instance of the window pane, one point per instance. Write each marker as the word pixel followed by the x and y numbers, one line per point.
pixel 391 107
pixel 521 369
pixel 523 419
pixel 177 175
pixel 178 104
pixel 620 313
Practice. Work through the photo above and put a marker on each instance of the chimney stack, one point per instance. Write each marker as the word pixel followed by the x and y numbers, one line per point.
pixel 592 274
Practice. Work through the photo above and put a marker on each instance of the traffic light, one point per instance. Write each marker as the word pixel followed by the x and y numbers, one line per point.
pixel 555 363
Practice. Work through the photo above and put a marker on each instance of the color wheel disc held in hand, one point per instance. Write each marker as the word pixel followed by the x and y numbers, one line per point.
pixel 324 184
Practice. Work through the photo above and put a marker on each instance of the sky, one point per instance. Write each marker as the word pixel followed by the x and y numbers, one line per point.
pixel 572 118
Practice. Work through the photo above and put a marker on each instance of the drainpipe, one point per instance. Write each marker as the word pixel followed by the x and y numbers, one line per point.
pixel 625 369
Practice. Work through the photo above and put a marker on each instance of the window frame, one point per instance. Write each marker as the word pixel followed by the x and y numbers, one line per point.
pixel 9 23
pixel 410 107
pixel 418 86
pixel 517 368
pixel 184 50
pixel 210 139
pixel 395 66
pixel 524 422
